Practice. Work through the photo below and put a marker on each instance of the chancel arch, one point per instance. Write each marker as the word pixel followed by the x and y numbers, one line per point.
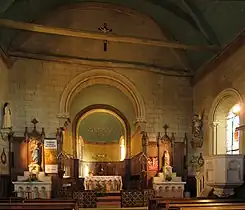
pixel 226 115
pixel 105 77
pixel 101 134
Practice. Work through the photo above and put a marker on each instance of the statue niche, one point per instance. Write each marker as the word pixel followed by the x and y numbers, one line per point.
pixel 33 149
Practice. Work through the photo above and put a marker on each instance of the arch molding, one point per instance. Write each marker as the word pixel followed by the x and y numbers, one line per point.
pixel 102 76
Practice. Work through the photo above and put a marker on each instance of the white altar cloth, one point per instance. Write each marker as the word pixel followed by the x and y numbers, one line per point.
pixel 103 183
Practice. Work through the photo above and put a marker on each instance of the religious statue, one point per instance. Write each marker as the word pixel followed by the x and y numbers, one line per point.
pixel 166 159
pixel 59 137
pixel 37 154
pixel 166 168
pixel 197 132
pixel 7 122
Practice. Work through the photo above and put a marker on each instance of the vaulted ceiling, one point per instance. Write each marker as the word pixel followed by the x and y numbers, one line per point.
pixel 191 22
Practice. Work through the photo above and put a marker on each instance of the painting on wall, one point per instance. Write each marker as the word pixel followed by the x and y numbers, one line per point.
pixel 100 127
pixel 152 164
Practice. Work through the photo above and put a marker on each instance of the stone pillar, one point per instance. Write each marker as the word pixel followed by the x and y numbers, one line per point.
pixel 214 141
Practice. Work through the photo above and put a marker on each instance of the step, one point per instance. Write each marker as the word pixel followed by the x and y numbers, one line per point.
pixel 108 204
pixel 112 198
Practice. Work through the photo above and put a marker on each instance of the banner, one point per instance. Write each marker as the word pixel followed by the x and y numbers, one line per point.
pixel 50 156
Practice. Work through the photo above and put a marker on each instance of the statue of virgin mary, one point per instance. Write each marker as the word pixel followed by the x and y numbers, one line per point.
pixel 7 122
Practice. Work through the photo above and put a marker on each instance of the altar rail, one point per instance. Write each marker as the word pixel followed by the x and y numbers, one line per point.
pixel 88 199
pixel 194 204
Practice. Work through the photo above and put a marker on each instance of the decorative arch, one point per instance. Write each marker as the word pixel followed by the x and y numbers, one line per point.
pixel 108 77
pixel 221 106
pixel 110 109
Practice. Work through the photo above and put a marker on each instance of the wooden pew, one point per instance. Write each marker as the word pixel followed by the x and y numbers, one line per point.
pixel 40 204
pixel 193 204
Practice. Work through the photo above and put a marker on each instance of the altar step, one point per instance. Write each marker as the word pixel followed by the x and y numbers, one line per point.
pixel 109 201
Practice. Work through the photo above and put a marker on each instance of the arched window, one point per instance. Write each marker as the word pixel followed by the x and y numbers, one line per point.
pixel 225 116
pixel 232 135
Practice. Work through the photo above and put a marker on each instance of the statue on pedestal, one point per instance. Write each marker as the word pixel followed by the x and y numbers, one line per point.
pixel 35 165
pixel 197 130
pixel 7 122
pixel 166 168
pixel 166 159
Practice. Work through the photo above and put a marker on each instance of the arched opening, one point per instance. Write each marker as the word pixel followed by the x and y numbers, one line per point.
pixel 104 77
pixel 101 134
pixel 226 117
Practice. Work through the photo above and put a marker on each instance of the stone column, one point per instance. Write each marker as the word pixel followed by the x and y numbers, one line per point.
pixel 214 142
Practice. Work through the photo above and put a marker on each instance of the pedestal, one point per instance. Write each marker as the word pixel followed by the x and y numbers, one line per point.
pixel 168 189
pixel 25 188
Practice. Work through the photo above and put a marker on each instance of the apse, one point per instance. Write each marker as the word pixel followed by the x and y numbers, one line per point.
pixel 101 136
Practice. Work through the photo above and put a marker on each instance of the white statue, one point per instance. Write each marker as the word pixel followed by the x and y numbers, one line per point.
pixel 166 159
pixel 197 124
pixel 7 122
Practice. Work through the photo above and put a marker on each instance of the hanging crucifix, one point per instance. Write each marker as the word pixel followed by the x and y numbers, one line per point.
pixel 105 30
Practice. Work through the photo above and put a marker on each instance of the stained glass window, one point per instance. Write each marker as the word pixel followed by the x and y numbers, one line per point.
pixel 232 135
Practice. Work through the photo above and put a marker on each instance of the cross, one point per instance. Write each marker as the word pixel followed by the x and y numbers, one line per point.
pixel 105 30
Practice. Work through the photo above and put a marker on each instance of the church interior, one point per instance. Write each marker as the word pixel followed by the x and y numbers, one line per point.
pixel 122 104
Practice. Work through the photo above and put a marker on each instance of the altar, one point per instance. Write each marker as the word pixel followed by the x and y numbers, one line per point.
pixel 103 183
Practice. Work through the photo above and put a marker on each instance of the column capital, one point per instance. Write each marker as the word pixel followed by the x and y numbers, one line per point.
pixel 63 117
pixel 141 123
pixel 214 124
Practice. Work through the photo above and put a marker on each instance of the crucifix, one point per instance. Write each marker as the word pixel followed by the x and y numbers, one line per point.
pixel 105 30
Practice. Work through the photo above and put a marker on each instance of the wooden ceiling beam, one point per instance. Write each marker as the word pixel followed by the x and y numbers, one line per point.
pixel 101 36
pixel 164 70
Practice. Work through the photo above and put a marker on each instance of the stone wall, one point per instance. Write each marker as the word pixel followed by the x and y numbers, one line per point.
pixel 229 75
pixel 36 88
pixel 4 85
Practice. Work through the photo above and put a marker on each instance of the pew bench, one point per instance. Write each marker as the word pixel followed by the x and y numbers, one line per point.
pixel 40 204
pixel 193 204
